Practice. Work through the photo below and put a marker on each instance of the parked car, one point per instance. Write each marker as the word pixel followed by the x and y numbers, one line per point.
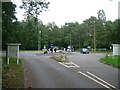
pixel 70 48
pixel 84 51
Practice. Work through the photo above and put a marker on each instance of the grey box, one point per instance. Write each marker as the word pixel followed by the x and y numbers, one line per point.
pixel 5 0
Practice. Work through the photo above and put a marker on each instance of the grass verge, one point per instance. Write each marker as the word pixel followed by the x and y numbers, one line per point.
pixel 111 60
pixel 101 51
pixel 12 74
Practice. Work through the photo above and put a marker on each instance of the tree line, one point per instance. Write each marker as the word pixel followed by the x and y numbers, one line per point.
pixel 29 34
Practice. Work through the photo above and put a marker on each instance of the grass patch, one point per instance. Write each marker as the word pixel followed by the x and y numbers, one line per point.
pixel 0 73
pixel 59 59
pixel 12 74
pixel 111 60
pixel 29 50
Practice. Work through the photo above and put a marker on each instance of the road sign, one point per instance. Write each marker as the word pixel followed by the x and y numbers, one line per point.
pixel 13 51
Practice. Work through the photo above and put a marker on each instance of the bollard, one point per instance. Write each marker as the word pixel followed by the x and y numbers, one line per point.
pixel 62 57
pixel 106 56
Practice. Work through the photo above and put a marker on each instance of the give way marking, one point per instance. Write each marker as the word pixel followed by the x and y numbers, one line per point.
pixel 69 64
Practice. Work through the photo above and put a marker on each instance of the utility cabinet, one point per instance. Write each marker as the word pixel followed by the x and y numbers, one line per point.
pixel 116 49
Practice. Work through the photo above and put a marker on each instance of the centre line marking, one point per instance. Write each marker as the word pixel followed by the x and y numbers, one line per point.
pixel 94 80
pixel 101 80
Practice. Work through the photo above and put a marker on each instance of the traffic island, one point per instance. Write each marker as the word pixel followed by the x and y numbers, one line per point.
pixel 60 58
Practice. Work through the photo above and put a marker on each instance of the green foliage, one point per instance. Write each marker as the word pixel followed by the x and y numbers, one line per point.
pixel 112 60
pixel 78 35
pixel 116 31
pixel 8 16
pixel 101 15
pixel 33 8
pixel 12 74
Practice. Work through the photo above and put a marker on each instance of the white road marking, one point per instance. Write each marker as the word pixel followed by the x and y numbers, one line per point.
pixel 94 79
pixel 101 80
pixel 67 63
pixel 71 64
pixel 75 64
pixel 64 65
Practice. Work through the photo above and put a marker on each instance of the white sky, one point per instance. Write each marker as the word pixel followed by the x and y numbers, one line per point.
pixel 61 11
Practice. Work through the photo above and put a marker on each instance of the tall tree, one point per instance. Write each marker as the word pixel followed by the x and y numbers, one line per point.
pixel 8 16
pixel 34 7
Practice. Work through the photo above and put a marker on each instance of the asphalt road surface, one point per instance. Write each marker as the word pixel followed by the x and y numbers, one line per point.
pixel 82 71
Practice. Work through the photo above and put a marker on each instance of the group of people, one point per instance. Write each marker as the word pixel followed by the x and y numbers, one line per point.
pixel 51 49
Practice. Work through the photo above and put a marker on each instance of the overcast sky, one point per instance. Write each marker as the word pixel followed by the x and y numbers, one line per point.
pixel 61 11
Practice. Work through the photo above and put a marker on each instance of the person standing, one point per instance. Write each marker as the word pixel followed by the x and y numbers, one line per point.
pixel 51 48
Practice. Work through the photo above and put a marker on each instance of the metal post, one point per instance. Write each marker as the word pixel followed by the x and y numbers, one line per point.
pixel 79 40
pixel 38 34
pixel 70 39
pixel 50 29
pixel 39 40
pixel 94 37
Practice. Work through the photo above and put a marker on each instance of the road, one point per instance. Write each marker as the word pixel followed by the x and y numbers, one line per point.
pixel 82 71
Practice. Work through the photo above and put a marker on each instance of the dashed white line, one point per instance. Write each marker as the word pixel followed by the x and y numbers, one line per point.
pixel 101 80
pixel 94 79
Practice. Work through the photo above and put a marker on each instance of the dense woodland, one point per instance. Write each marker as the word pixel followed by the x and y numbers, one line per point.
pixel 77 34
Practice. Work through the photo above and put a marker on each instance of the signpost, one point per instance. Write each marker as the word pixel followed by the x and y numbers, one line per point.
pixel 13 51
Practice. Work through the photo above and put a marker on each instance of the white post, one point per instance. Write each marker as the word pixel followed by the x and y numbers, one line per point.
pixel 8 55
pixel 8 61
pixel 18 54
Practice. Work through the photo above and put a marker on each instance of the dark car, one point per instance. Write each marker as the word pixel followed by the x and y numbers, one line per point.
pixel 84 51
